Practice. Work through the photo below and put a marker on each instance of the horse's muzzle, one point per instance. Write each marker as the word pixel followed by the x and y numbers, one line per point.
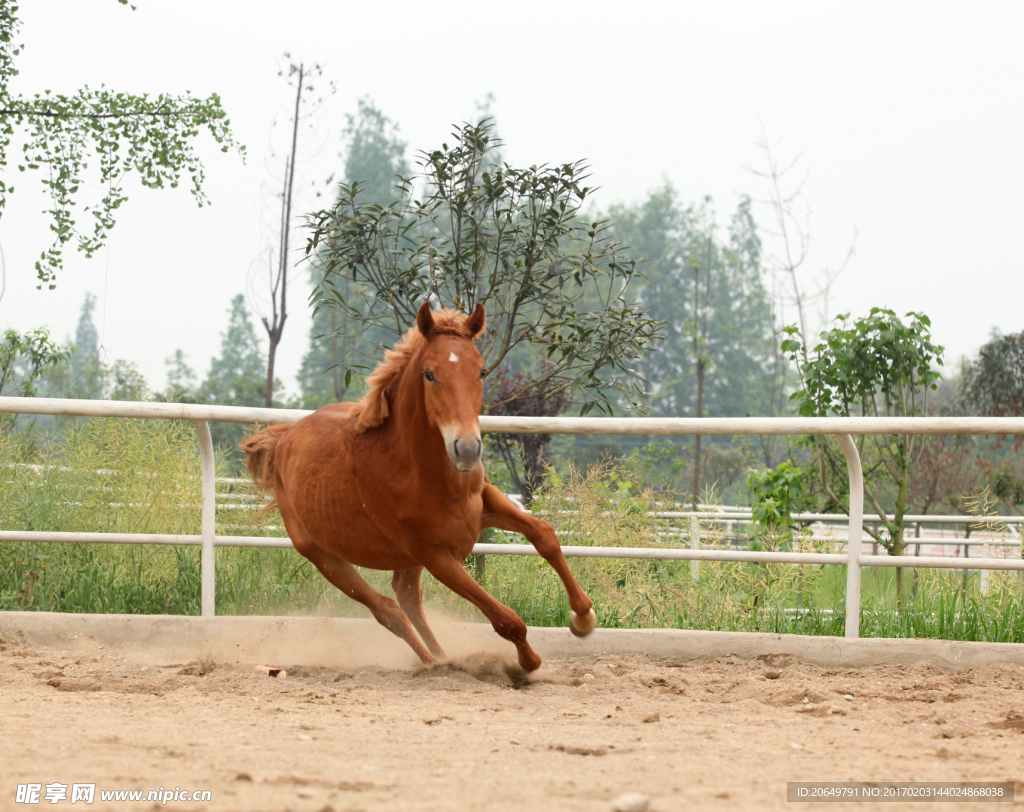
pixel 464 452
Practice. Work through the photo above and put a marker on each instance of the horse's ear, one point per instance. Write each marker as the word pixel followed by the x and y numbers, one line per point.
pixel 477 320
pixel 425 319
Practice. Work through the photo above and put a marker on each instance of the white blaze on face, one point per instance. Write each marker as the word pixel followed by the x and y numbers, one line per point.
pixel 453 358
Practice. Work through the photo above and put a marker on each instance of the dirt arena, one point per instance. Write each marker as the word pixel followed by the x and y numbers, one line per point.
pixel 474 734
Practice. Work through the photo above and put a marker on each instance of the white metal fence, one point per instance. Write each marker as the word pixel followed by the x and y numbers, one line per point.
pixel 843 428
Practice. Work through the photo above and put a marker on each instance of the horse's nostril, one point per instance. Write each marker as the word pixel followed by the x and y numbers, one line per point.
pixel 465 452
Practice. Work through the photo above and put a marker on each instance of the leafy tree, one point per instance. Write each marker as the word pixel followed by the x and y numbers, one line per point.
pixel 181 378
pixel 24 359
pixel 947 466
pixel 876 366
pixel 560 322
pixel 1008 485
pixel 511 239
pixel 521 394
pixel 945 469
pixel 718 356
pixel 80 373
pixel 374 158
pixel 86 369
pixel 994 383
pixel 87 337
pixel 236 376
pixel 126 382
pixel 122 133
pixel 375 154
pixel 711 296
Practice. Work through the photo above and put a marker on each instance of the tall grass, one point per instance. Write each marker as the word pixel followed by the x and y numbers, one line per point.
pixel 604 506
pixel 117 476
pixel 143 477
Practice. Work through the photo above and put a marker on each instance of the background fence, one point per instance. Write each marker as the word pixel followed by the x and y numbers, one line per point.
pixel 853 558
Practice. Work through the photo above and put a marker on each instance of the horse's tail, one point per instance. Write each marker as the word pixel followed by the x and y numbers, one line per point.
pixel 260 449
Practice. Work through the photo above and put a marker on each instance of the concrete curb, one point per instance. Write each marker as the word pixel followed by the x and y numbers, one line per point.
pixel 346 643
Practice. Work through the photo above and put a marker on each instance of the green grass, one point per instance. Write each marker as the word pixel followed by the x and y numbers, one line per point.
pixel 142 476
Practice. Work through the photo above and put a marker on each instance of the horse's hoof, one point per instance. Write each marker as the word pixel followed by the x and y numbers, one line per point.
pixel 582 625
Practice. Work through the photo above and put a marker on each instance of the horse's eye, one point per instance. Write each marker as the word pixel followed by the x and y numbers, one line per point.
pixel 483 373
pixel 428 374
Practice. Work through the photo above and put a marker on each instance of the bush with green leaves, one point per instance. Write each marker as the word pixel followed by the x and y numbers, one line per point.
pixel 874 366
pixel 776 494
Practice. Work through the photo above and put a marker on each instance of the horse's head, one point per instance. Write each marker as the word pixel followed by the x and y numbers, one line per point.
pixel 452 369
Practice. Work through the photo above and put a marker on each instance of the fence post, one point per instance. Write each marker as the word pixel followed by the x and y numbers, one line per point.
pixel 856 533
pixel 695 545
pixel 208 565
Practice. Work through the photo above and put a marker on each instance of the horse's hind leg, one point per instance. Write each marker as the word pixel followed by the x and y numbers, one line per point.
pixel 388 613
pixel 499 511
pixel 346 578
pixel 507 623
pixel 406 584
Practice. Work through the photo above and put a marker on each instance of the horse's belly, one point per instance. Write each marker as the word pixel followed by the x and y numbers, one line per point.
pixel 356 539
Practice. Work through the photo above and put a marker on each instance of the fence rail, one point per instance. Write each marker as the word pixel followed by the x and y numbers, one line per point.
pixel 843 428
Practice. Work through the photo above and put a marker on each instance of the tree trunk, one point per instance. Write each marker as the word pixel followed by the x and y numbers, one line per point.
pixel 535 460
pixel 898 542
pixel 279 291
pixel 337 361
pixel 699 346
pixel 697 438
pixel 268 394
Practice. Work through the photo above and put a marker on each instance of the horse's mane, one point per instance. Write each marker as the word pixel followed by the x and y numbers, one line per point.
pixel 374 407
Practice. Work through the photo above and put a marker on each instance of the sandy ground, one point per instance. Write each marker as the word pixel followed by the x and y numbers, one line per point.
pixel 474 734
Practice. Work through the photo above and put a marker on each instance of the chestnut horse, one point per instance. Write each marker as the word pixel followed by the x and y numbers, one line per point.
pixel 396 482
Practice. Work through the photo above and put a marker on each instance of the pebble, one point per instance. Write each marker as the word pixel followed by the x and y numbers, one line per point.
pixel 631 802
pixel 304 793
pixel 652 717
pixel 796 746
pixel 805 700
pixel 848 697
pixel 279 673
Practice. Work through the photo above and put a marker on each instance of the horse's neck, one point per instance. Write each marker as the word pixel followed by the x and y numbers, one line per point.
pixel 418 443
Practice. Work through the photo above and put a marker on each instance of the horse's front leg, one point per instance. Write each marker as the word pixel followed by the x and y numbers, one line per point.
pixel 502 513
pixel 449 571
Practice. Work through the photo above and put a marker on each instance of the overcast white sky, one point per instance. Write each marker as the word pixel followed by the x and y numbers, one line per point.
pixel 907 116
